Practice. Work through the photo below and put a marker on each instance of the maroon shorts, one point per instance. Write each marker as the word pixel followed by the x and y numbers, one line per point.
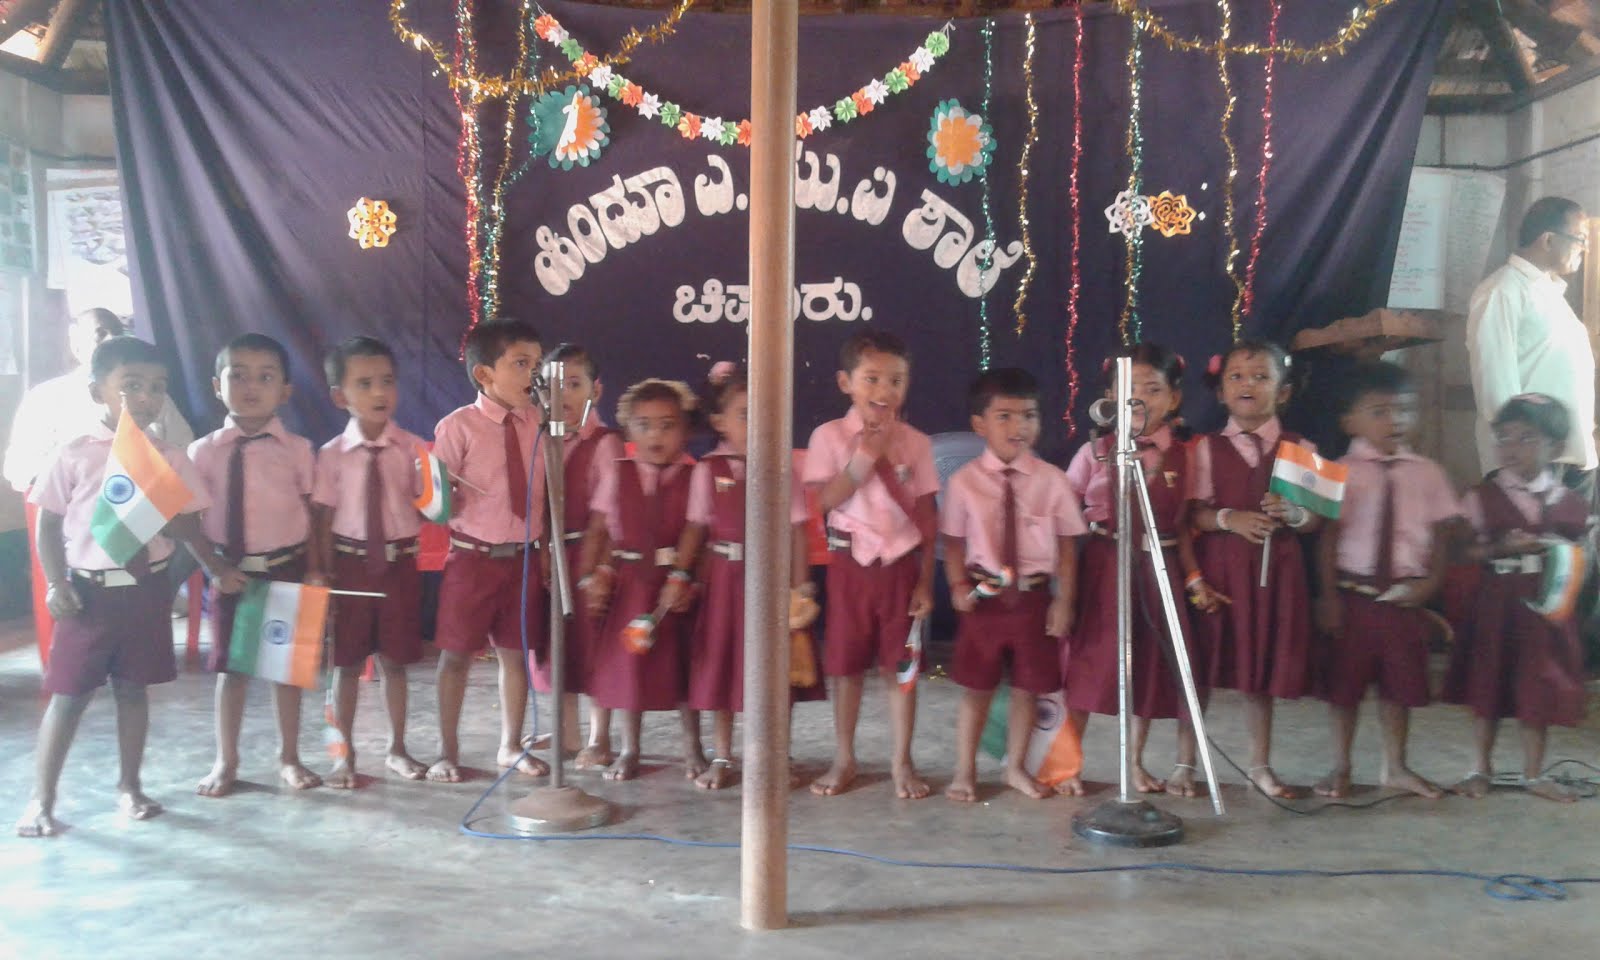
pixel 868 614
pixel 480 602
pixel 224 605
pixel 991 635
pixel 1383 644
pixel 124 633
pixel 363 626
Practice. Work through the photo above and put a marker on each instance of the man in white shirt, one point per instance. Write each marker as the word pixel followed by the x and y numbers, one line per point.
pixel 1523 337
pixel 58 410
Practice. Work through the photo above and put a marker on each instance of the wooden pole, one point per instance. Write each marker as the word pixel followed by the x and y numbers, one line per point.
pixel 65 25
pixel 763 853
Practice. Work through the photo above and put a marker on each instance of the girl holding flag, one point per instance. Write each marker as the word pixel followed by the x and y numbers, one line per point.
pixel 1250 585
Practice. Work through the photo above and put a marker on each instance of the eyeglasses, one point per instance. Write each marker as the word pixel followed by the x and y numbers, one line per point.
pixel 1582 243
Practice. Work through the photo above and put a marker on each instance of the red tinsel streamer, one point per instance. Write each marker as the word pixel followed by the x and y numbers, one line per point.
pixel 1249 299
pixel 1075 277
pixel 468 157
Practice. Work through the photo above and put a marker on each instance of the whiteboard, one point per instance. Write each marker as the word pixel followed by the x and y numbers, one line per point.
pixel 1449 225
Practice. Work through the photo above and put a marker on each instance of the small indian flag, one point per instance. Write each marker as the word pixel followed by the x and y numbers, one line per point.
pixel 1560 582
pixel 1300 476
pixel 139 496
pixel 277 632
pixel 1054 752
pixel 434 504
pixel 910 666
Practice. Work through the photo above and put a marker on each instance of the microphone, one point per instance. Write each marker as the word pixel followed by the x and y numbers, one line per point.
pixel 1103 411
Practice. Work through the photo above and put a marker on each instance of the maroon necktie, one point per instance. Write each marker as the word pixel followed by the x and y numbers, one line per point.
pixel 902 497
pixel 1385 571
pixel 1008 539
pixel 516 470
pixel 234 548
pixel 377 554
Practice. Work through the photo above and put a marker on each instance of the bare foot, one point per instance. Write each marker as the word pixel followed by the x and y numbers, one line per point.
pixel 445 771
pixel 1144 782
pixel 794 778
pixel 219 782
pixel 137 806
pixel 625 767
pixel 403 764
pixel 1336 785
pixel 296 775
pixel 837 780
pixel 1182 783
pixel 963 789
pixel 1474 786
pixel 1267 781
pixel 36 821
pixel 1407 779
pixel 542 742
pixel 718 775
pixel 343 774
pixel 907 785
pixel 1018 780
pixel 1550 790
pixel 1071 787
pixel 694 762
pixel 594 758
pixel 524 762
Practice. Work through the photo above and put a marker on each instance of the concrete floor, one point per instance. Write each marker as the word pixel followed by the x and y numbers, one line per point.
pixel 384 871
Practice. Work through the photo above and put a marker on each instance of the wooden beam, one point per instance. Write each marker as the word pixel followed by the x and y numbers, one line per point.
pixel 1503 47
pixel 21 14
pixel 65 25
pixel 93 82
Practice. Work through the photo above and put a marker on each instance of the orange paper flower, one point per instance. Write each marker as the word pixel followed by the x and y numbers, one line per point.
pixel 632 93
pixel 744 133
pixel 911 72
pixel 863 105
pixel 1171 214
pixel 689 126
pixel 802 126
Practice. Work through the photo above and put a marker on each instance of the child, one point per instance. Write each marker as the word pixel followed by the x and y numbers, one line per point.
pixel 1008 513
pixel 1509 660
pixel 258 478
pixel 717 512
pixel 590 448
pixel 638 514
pixel 110 621
pixel 1377 565
pixel 876 484
pixel 1091 657
pixel 1255 640
pixel 366 536
pixel 489 445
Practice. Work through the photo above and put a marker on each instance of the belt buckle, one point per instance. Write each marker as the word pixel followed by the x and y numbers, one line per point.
pixel 117 578
pixel 666 556
pixel 734 552
pixel 391 552
pixel 255 564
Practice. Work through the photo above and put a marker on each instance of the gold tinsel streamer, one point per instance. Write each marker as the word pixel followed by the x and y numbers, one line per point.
pixel 1360 20
pixel 482 86
pixel 1229 231
pixel 1022 178
pixel 1133 145
pixel 497 214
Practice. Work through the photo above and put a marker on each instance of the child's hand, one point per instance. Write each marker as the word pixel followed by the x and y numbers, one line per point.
pixel 1406 593
pixel 1330 615
pixel 63 601
pixel 597 591
pixel 875 438
pixel 1519 542
pixel 676 595
pixel 226 580
pixel 1280 509
pixel 921 600
pixel 961 596
pixel 1254 527
pixel 1206 598
pixel 1058 621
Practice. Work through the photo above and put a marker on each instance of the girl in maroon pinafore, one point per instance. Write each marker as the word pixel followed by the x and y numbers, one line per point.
pixel 1254 639
pixel 637 521
pixel 1509 660
pixel 1090 655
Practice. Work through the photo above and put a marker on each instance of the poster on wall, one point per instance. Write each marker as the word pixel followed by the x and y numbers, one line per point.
pixel 16 209
pixel 87 252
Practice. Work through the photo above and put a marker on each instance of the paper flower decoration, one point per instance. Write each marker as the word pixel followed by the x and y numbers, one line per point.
pixel 960 144
pixel 820 118
pixel 569 126
pixel 895 81
pixel 876 91
pixel 711 128
pixel 922 59
pixel 601 76
pixel 371 223
pixel 1169 214
pixel 845 109
pixel 1128 214
pixel 649 105
pixel 689 126
pixel 671 113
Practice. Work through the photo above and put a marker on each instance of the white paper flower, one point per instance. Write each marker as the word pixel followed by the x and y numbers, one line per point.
pixel 921 59
pixel 820 118
pixel 649 105
pixel 1128 214
pixel 711 128
pixel 557 36
pixel 876 91
pixel 600 77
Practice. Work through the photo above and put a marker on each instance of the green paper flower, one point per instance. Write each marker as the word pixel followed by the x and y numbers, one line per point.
pixel 845 109
pixel 572 48
pixel 574 114
pixel 937 43
pixel 896 81
pixel 960 144
pixel 670 114
pixel 614 88
pixel 730 134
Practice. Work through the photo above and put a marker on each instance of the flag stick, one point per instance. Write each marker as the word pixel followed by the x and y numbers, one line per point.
pixel 458 478
pixel 1266 557
pixel 356 593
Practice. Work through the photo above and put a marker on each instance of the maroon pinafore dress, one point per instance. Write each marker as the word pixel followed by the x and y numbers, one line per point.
pixel 582 629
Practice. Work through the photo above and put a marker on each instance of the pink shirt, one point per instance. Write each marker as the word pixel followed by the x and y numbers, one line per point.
pixel 974 509
pixel 471 441
pixel 1422 497
pixel 878 528
pixel 342 481
pixel 71 487
pixel 1201 486
pixel 701 499
pixel 1091 478
pixel 278 472
pixel 605 498
pixel 1530 498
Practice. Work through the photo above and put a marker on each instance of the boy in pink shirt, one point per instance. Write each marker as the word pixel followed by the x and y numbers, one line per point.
pixel 257 476
pixel 489 445
pixel 111 621
pixel 365 529
pixel 1009 524
pixel 876 483
pixel 1378 564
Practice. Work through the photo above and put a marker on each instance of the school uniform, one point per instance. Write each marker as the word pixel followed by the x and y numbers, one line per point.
pixel 716 641
pixel 1010 517
pixel 257 485
pixel 496 530
pixel 124 630
pixel 369 486
pixel 874 541
pixel 645 506
pixel 1509 661
pixel 1261 642
pixel 1090 659
pixel 1386 523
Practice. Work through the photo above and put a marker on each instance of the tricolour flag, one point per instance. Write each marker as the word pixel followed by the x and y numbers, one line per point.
pixel 139 496
pixel 910 665
pixel 434 504
pixel 1560 583
pixel 1054 752
pixel 277 632
pixel 1300 476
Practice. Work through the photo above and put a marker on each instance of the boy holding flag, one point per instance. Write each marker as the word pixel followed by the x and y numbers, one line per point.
pixel 107 507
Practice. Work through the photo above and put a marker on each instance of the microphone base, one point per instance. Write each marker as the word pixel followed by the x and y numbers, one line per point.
pixel 1134 824
pixel 558 810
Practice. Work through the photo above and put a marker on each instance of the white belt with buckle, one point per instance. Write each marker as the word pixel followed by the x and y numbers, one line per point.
pixel 392 550
pixel 729 549
pixel 117 577
pixel 267 562
pixel 573 536
pixel 494 551
pixel 1527 563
